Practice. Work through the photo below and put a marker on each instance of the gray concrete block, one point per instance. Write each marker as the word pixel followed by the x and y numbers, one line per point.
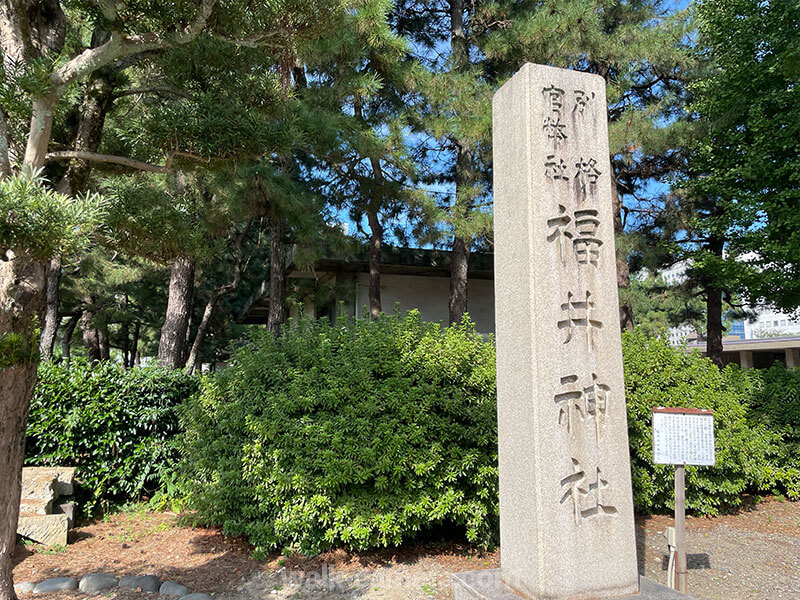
pixel 486 585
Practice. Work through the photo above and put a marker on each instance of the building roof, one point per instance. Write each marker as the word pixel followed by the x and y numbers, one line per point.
pixel 737 345
pixel 403 261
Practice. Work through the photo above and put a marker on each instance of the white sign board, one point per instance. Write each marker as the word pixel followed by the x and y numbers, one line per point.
pixel 683 437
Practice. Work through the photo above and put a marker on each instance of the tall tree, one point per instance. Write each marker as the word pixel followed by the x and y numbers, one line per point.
pixel 454 91
pixel 35 223
pixel 32 35
pixel 743 172
pixel 642 49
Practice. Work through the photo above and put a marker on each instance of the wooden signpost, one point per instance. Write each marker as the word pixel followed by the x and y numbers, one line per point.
pixel 682 436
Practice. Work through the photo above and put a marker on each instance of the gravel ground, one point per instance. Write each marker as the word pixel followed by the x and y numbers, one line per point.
pixel 752 555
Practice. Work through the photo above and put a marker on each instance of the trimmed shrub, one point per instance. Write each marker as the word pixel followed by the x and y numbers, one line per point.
pixel 776 405
pixel 366 434
pixel 360 434
pixel 117 426
pixel 659 375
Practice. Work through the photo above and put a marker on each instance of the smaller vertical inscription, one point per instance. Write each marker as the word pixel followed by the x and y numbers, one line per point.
pixel 582 100
pixel 553 98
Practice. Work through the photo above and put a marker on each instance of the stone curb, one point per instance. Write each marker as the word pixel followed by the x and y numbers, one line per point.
pixel 95 583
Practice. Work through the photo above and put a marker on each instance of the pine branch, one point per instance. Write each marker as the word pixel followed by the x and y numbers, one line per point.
pixel 152 90
pixel 118 46
pixel 106 158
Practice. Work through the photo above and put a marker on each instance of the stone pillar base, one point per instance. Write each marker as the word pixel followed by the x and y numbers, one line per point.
pixel 486 585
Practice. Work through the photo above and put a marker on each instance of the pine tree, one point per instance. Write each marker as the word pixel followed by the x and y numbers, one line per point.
pixel 453 119
pixel 33 39
pixel 642 49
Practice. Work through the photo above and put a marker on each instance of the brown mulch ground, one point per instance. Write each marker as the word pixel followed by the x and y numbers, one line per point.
pixel 754 554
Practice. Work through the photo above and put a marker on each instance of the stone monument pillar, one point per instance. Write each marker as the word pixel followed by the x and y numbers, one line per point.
pixel 566 507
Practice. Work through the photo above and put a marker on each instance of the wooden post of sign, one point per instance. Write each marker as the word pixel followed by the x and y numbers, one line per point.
pixel 680 528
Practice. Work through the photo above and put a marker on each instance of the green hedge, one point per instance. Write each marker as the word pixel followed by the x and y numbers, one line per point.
pixel 117 426
pixel 776 405
pixel 367 435
pixel 659 375
pixel 362 435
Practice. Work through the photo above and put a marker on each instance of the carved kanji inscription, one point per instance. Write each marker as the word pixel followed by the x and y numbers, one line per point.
pixel 578 314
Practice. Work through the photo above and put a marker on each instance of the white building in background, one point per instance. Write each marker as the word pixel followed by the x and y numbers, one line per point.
pixel 411 278
pixel 769 322
pixel 675 275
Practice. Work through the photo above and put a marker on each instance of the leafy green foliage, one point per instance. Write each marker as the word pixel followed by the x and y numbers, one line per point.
pixel 117 426
pixel 366 435
pixel 43 222
pixel 744 169
pixel 362 435
pixel 658 305
pixel 658 375
pixel 776 404
pixel 17 349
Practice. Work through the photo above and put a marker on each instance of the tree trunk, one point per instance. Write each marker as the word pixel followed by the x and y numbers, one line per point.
pixel 124 333
pixel 41 127
pixel 460 250
pixel 277 274
pixel 5 161
pixel 714 325
pixel 66 337
pixel 623 272
pixel 191 362
pixel 91 337
pixel 375 241
pixel 98 99
pixel 103 342
pixel 22 299
pixel 459 263
pixel 179 307
pixel 51 318
pixel 132 360
pixel 216 294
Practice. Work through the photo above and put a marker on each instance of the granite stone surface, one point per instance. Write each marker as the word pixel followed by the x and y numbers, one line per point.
pixel 92 583
pixel 49 530
pixel 170 588
pixel 56 584
pixel 486 585
pixel 146 583
pixel 566 508
pixel 33 478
